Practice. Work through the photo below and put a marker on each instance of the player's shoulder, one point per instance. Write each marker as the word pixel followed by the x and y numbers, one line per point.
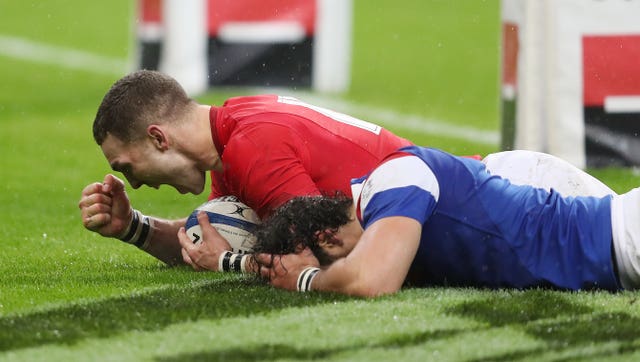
pixel 398 170
pixel 260 141
pixel 243 109
pixel 250 100
pixel 432 163
pixel 414 153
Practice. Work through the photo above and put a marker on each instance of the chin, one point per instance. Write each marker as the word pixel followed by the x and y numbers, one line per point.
pixel 181 189
pixel 196 191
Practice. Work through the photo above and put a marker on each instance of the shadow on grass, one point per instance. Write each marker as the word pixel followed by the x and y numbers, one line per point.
pixel 272 352
pixel 221 298
pixel 553 318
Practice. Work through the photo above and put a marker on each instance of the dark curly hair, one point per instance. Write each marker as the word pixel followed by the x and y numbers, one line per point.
pixel 297 223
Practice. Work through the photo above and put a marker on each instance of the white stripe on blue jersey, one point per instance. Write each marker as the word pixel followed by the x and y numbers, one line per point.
pixel 398 173
pixel 403 186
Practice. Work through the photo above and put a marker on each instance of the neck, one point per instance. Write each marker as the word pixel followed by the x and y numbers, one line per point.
pixel 197 142
pixel 210 157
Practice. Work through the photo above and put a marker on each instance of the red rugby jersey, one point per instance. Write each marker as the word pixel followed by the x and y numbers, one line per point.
pixel 274 148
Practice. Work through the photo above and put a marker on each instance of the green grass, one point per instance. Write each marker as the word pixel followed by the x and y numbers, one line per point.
pixel 429 57
pixel 67 294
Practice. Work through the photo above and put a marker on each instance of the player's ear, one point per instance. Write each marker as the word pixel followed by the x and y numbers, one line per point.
pixel 327 239
pixel 158 137
pixel 299 248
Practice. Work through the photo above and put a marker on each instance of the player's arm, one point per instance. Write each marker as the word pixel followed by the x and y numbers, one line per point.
pixel 163 242
pixel 105 209
pixel 377 265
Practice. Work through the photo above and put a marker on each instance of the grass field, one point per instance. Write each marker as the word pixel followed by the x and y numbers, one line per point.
pixel 67 294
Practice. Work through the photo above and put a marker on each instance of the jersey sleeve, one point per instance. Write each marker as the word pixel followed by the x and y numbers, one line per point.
pixel 403 186
pixel 266 166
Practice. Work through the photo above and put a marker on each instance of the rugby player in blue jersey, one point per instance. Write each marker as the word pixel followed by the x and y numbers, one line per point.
pixel 425 217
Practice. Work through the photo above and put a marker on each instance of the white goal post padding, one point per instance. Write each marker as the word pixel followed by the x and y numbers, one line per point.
pixel 549 91
pixel 184 48
pixel 183 35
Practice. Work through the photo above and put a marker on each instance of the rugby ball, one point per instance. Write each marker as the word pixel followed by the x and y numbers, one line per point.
pixel 235 221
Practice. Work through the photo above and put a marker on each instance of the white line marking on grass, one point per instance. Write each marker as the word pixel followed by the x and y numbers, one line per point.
pixel 31 51
pixel 24 49
pixel 409 122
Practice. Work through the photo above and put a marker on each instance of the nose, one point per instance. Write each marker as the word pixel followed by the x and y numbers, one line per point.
pixel 134 183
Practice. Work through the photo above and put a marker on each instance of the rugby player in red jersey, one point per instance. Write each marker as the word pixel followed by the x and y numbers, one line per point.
pixel 263 149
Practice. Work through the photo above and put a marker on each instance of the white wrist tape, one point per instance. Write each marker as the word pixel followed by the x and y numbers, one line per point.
pixel 139 230
pixel 305 278
pixel 243 263
pixel 232 262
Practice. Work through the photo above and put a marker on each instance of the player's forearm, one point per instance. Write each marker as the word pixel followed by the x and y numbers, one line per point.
pixel 349 278
pixel 161 240
pixel 378 264
pixel 164 243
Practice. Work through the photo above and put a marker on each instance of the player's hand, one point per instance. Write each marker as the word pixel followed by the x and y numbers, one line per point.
pixel 204 255
pixel 282 270
pixel 105 207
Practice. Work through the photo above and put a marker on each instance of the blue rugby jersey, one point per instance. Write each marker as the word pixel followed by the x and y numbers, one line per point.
pixel 480 230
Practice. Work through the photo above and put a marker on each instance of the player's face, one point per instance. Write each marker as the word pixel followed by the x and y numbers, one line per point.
pixel 144 164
